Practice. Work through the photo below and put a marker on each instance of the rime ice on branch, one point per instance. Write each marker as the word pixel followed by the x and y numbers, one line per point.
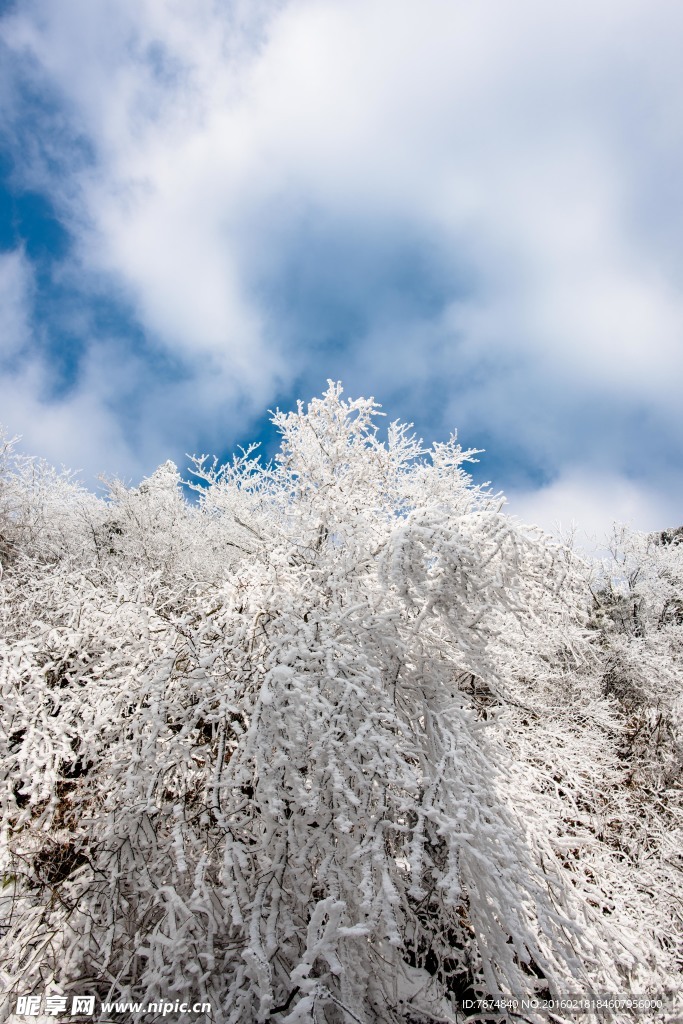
pixel 330 744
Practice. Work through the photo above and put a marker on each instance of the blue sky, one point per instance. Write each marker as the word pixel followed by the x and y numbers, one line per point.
pixel 470 211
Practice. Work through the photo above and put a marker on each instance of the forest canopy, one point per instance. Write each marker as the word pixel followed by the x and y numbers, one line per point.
pixel 337 740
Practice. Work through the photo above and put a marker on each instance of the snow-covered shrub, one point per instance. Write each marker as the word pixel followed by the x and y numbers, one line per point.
pixel 319 747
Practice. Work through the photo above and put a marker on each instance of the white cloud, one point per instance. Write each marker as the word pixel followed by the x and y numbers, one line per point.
pixel 591 502
pixel 77 430
pixel 459 118
pixel 535 144
pixel 16 286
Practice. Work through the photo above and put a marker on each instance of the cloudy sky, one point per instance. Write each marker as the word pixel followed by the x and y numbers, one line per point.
pixel 470 210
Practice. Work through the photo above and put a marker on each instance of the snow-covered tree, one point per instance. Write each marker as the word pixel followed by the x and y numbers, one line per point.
pixel 328 744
